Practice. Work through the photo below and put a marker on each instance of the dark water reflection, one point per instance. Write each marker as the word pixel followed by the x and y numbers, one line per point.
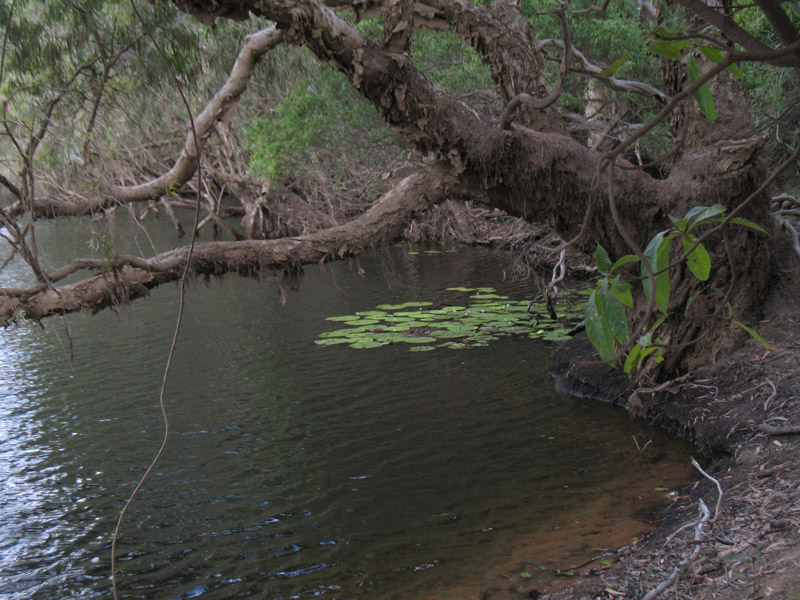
pixel 296 470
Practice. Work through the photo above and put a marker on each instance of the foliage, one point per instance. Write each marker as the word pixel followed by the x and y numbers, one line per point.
pixel 320 110
pixel 450 63
pixel 603 38
pixel 606 321
pixel 487 316
pixel 445 59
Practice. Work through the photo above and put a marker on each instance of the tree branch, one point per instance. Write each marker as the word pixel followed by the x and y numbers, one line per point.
pixel 732 31
pixel 125 278
pixel 221 107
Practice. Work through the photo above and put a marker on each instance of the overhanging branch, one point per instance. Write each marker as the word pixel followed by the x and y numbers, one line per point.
pixel 125 278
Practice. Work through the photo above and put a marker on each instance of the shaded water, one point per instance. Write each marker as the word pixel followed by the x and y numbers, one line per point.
pixel 295 470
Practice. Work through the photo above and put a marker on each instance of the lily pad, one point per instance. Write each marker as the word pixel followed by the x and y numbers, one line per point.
pixel 331 341
pixel 367 344
pixel 419 340
pixel 361 322
pixel 487 317
pixel 489 297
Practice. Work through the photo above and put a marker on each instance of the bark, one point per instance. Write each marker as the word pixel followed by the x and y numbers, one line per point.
pixel 221 108
pixel 125 278
pixel 533 169
pixel 728 27
pixel 545 175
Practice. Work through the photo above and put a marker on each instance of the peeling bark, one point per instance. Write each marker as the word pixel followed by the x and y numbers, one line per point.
pixel 125 278
pixel 536 171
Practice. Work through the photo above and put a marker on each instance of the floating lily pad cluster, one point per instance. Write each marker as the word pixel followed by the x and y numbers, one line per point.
pixel 425 327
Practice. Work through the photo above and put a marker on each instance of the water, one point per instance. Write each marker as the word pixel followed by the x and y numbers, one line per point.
pixel 295 470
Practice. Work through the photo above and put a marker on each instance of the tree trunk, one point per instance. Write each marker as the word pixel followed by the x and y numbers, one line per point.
pixel 533 169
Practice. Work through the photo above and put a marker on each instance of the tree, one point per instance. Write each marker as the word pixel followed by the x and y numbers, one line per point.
pixel 527 162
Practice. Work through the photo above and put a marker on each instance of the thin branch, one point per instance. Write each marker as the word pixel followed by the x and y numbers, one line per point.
pixel 179 318
pixel 593 70
pixel 698 537
pixel 786 224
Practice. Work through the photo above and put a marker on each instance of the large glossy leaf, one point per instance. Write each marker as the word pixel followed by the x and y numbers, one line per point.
pixel 614 314
pixel 698 261
pixel 698 214
pixel 657 254
pixel 750 224
pixel 602 259
pixel 703 94
pixel 598 329
pixel 670 49
pixel 627 259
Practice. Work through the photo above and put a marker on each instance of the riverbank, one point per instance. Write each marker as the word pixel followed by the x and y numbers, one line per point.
pixel 743 413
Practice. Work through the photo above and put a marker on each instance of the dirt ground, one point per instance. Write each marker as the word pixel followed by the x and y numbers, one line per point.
pixel 735 533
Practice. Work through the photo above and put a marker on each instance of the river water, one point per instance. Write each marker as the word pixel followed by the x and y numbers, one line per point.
pixel 295 470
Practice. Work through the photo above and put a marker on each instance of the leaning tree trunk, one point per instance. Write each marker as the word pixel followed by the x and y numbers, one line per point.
pixel 545 175
pixel 534 169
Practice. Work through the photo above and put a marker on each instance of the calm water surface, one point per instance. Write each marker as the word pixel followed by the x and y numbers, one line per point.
pixel 295 470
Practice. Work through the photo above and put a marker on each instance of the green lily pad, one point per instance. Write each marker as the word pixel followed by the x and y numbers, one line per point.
pixel 368 344
pixel 421 348
pixel 488 317
pixel 419 339
pixel 489 297
pixel 331 341
pixel 445 334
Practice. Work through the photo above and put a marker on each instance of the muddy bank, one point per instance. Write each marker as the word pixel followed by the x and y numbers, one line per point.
pixel 743 415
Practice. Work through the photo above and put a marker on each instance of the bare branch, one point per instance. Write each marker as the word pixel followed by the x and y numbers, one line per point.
pixel 589 68
pixel 221 107
pixel 125 278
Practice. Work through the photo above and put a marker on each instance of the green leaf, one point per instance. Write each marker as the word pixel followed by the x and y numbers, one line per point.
pixel 701 213
pixel 597 328
pixel 646 352
pixel 628 258
pixel 657 254
pixel 602 259
pixel 680 224
pixel 698 261
pixel 750 224
pixel 622 291
pixel 632 358
pixel 712 54
pixel 614 314
pixel 754 334
pixel 736 71
pixel 615 66
pixel 670 49
pixel 703 94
